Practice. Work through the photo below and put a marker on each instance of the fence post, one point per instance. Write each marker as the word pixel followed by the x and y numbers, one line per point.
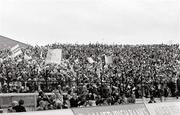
pixel 35 101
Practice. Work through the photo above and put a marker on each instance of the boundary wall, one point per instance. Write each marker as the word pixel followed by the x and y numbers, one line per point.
pixel 166 108
pixel 140 108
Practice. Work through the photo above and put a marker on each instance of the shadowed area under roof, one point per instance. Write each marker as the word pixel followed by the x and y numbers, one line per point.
pixel 6 43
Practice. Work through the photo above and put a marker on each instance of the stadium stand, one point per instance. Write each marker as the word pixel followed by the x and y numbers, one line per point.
pixel 93 74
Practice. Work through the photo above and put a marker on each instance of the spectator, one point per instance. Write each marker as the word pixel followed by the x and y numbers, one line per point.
pixel 58 99
pixel 20 107
pixel 42 106
pixel 138 68
pixel 152 100
pixel 74 101
pixel 42 98
pixel 11 109
pixel 66 102
pixel 1 110
pixel 124 99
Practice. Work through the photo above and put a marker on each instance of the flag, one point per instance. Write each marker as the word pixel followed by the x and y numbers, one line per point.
pixel 108 59
pixel 90 60
pixel 26 57
pixel 1 60
pixel 16 50
pixel 54 56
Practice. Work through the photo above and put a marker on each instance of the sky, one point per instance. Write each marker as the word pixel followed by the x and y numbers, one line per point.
pixel 41 22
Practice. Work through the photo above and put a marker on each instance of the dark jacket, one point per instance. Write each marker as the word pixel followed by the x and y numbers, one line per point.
pixel 19 108
pixel 73 102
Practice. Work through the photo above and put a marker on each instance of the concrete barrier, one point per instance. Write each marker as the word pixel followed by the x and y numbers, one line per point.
pixel 166 108
pixel 30 104
pixel 50 112
pixel 132 109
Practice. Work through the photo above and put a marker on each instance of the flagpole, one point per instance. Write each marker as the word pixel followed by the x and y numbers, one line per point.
pixel 101 80
pixel 46 79
pixel 77 83
pixel 102 73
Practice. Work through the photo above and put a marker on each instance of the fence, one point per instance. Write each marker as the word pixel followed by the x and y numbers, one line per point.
pixel 29 100
pixel 170 108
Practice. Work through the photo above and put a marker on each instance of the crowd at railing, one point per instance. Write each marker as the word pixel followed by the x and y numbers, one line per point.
pixel 136 71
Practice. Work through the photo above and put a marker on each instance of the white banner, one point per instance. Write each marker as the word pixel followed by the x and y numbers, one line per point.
pixel 108 59
pixel 1 60
pixel 90 60
pixel 54 56
pixel 16 50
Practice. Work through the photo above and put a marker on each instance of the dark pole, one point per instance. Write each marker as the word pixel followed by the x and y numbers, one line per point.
pixel 102 73
pixel 142 86
pixel 8 81
pixel 101 83
pixel 77 83
pixel 46 79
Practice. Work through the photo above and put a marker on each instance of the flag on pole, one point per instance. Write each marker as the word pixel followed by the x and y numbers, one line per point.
pixel 90 60
pixel 16 50
pixel 108 59
pixel 54 56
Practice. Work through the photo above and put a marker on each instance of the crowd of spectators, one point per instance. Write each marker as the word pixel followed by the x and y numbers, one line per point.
pixel 137 71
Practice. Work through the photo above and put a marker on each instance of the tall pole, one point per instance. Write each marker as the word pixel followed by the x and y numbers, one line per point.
pixel 102 73
pixel 142 87
pixel 46 80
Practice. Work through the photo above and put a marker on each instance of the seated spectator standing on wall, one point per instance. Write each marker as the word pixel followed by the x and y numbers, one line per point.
pixel 66 103
pixel 20 107
pixel 42 106
pixel 152 100
pixel 58 99
pixel 42 97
